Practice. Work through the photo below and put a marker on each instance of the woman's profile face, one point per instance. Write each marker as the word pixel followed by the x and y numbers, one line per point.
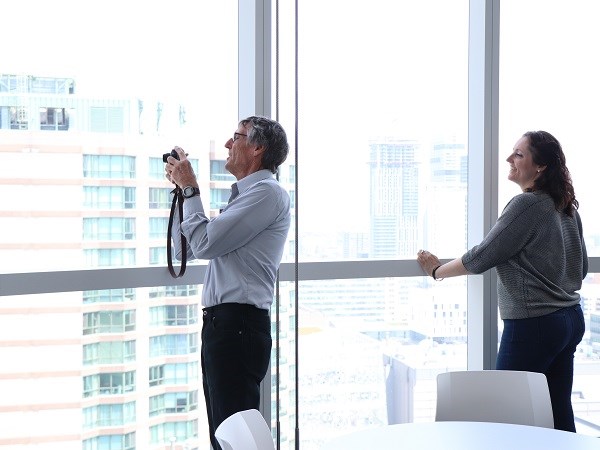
pixel 523 170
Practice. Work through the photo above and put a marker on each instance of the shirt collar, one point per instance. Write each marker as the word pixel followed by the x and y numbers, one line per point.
pixel 253 178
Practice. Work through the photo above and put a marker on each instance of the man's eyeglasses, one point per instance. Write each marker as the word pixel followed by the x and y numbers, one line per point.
pixel 236 136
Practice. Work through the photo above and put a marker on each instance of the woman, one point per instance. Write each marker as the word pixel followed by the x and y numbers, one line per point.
pixel 538 251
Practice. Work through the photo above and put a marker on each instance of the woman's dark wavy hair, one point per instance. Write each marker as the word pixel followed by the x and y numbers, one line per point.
pixel 271 135
pixel 555 179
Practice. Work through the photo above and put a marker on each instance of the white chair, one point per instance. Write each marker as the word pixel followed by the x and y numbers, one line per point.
pixel 503 396
pixel 245 430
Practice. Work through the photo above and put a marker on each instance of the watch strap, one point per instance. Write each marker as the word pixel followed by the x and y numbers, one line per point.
pixel 194 191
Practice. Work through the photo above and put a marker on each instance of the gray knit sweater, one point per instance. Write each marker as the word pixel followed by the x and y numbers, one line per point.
pixel 539 255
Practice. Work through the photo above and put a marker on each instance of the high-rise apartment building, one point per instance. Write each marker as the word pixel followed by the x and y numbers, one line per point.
pixel 82 186
pixel 394 180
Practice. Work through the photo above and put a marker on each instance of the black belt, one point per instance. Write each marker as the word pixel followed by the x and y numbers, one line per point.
pixel 234 308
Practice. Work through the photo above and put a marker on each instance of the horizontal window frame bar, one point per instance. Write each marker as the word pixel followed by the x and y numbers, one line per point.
pixel 134 277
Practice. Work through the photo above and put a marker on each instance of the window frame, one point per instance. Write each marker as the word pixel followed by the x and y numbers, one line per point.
pixel 255 44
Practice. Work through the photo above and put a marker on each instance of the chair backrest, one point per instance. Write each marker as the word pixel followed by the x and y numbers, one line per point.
pixel 503 396
pixel 245 430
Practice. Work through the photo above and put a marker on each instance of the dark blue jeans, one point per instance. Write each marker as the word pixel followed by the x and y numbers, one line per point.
pixel 546 344
pixel 235 354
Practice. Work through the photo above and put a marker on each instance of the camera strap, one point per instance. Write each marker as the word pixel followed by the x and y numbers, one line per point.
pixel 177 200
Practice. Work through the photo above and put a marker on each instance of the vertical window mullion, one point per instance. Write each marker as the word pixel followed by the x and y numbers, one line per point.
pixel 482 196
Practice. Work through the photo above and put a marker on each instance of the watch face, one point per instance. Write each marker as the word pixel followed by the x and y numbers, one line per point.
pixel 188 191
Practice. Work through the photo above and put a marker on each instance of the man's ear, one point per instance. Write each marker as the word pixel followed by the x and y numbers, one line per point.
pixel 258 151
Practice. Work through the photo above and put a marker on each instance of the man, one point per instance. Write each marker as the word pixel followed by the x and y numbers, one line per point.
pixel 244 245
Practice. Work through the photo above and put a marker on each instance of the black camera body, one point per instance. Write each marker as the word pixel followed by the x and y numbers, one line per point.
pixel 173 153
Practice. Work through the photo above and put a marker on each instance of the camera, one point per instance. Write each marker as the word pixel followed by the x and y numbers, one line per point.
pixel 173 153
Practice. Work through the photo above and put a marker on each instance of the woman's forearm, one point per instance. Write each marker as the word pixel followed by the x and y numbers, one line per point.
pixel 452 268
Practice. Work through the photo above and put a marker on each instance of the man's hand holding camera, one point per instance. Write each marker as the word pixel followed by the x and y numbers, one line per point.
pixel 178 169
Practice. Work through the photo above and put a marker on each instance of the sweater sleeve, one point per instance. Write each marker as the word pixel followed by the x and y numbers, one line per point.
pixel 513 229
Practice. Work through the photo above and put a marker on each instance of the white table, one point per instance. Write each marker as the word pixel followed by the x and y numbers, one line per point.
pixel 462 436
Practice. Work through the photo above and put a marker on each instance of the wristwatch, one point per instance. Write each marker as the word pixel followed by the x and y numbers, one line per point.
pixel 190 191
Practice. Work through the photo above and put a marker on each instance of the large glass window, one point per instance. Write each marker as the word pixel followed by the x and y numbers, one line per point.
pixel 115 352
pixel 180 373
pixel 54 119
pixel 108 228
pixel 160 198
pixel 108 322
pixel 379 167
pixel 173 344
pixel 19 118
pixel 108 383
pixel 158 227
pixel 381 172
pixel 386 110
pixel 108 166
pixel 108 197
pixel 549 81
pixel 109 415
pixel 174 315
pixel 109 257
pixel 173 403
